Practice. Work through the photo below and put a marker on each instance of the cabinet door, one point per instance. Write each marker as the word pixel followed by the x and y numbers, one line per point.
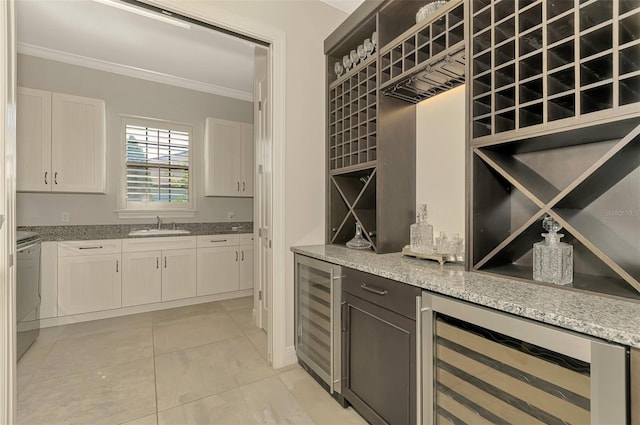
pixel 48 280
pixel 88 283
pixel 222 158
pixel 77 144
pixel 141 278
pixel 178 274
pixel 379 362
pixel 246 267
pixel 33 140
pixel 218 270
pixel 247 160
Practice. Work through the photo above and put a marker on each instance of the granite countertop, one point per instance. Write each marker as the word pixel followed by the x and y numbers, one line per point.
pixel 608 318
pixel 121 231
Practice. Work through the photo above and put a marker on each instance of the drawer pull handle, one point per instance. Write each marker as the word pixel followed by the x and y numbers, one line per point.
pixel 90 247
pixel 373 290
pixel 219 240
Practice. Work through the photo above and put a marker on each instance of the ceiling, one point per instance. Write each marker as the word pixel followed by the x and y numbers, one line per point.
pixel 90 33
pixel 344 5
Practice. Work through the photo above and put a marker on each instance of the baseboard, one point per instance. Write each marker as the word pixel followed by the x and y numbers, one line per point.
pixel 145 308
pixel 289 355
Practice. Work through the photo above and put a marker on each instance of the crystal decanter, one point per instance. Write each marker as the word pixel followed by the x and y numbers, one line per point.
pixel 358 241
pixel 421 232
pixel 552 259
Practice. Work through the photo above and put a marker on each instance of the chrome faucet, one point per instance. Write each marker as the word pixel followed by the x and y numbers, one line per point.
pixel 159 222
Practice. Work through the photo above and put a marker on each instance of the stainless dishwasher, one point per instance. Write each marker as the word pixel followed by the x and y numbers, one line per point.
pixel 318 287
pixel 27 289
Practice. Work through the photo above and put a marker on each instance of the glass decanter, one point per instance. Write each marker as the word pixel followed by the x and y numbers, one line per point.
pixel 358 241
pixel 552 259
pixel 421 233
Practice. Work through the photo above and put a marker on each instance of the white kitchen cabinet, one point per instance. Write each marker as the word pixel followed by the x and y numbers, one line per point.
pixel 225 263
pixel 246 261
pixel 167 266
pixel 33 146
pixel 89 276
pixel 141 278
pixel 229 158
pixel 178 274
pixel 61 143
pixel 218 270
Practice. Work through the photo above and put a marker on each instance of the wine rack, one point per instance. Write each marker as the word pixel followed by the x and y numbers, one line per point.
pixel 555 112
pixel 353 118
pixel 428 58
pixel 536 63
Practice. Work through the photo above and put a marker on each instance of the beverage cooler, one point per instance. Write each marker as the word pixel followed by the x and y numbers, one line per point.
pixel 483 366
pixel 318 287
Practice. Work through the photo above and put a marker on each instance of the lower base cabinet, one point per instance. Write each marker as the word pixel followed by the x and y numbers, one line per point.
pixel 142 278
pixel 379 347
pixel 178 274
pixel 88 283
pixel 218 270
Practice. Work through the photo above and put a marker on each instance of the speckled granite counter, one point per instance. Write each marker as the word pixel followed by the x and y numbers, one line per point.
pixel 121 231
pixel 607 318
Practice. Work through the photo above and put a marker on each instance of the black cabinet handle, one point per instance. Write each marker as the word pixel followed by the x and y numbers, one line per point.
pixel 165 262
pixel 55 177
pixel 242 255
pixel 236 255
pixel 218 240
pixel 157 262
pixel 46 173
pixel 90 247
pixel 117 266
pixel 238 186
pixel 373 290
pixel 243 186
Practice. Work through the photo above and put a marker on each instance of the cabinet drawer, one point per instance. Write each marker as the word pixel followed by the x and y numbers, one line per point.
pixel 209 241
pixel 246 239
pixel 95 247
pixel 387 293
pixel 157 244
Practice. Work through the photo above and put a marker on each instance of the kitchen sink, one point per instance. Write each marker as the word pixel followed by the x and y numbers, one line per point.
pixel 158 232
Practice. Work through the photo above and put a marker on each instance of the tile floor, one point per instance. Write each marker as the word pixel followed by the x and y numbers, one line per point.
pixel 202 364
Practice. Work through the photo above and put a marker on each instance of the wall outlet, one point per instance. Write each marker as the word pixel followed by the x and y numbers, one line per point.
pixel 231 215
pixel 65 216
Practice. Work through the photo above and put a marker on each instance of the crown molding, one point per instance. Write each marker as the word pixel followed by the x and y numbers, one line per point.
pixel 130 71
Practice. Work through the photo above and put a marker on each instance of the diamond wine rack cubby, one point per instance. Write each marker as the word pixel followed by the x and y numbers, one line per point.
pixel 554 106
pixel 588 179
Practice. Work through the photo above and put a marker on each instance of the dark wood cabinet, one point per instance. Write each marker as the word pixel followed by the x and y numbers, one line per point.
pixel 379 348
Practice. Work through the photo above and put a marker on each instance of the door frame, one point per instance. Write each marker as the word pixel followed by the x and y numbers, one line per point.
pixel 8 383
pixel 278 351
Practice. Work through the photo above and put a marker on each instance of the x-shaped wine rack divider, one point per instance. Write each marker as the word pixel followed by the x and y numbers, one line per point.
pixel 628 145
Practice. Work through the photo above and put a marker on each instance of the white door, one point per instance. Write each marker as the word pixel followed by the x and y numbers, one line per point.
pixel 218 270
pixel 141 278
pixel 246 267
pixel 222 158
pixel 247 159
pixel 89 283
pixel 8 388
pixel 263 187
pixel 77 144
pixel 33 140
pixel 178 274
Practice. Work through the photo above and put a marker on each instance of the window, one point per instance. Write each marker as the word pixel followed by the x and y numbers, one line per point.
pixel 157 175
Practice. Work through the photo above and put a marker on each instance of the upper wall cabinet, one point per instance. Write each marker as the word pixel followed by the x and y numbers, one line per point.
pixel 229 158
pixel 60 142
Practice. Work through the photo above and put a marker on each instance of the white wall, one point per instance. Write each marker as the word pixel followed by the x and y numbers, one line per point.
pixel 440 160
pixel 305 25
pixel 125 95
